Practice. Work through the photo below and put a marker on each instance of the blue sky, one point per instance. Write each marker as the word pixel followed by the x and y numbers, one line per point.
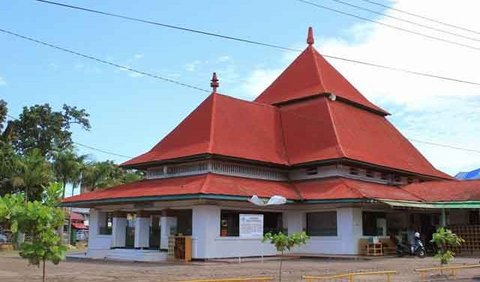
pixel 130 113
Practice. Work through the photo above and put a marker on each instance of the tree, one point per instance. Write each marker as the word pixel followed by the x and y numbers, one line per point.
pixel 42 128
pixel 97 175
pixel 39 220
pixel 68 167
pixel 31 174
pixel 283 243
pixel 445 239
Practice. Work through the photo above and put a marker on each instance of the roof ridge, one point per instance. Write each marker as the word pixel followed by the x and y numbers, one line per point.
pixel 335 132
pixel 282 132
pixel 317 67
pixel 355 190
pixel 212 123
pixel 203 189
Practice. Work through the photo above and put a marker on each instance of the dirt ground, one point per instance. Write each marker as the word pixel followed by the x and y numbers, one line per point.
pixel 15 269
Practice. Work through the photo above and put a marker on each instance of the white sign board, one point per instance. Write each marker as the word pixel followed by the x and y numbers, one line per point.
pixel 251 225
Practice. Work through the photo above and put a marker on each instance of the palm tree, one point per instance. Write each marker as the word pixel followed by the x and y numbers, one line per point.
pixel 68 167
pixel 31 173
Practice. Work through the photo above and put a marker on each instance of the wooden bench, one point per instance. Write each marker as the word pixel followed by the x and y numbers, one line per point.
pixel 388 246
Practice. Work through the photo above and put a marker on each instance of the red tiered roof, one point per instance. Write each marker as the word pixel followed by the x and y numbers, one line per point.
pixel 444 191
pixel 226 126
pixel 206 184
pixel 310 74
pixel 219 186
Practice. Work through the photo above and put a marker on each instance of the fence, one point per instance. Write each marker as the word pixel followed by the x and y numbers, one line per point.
pixel 350 276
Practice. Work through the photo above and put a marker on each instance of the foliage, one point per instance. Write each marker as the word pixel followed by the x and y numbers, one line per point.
pixel 445 239
pixel 31 173
pixel 3 112
pixel 38 220
pixel 68 167
pixel 106 174
pixel 283 243
pixel 46 130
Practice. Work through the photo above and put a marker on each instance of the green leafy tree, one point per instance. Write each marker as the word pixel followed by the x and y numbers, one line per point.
pixel 31 174
pixel 39 220
pixel 445 239
pixel 283 243
pixel 98 175
pixel 68 166
pixel 47 130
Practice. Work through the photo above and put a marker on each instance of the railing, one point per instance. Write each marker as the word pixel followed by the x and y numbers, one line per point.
pixel 350 276
pixel 241 279
pixel 451 269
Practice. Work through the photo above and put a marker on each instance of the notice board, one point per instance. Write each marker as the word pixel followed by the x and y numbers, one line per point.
pixel 251 225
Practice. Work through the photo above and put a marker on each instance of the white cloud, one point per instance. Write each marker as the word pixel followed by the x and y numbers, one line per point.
pixel 224 59
pixel 192 66
pixel 2 81
pixel 138 56
pixel 428 109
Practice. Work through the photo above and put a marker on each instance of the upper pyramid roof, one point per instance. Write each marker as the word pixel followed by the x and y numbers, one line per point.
pixel 305 131
pixel 310 74
pixel 226 126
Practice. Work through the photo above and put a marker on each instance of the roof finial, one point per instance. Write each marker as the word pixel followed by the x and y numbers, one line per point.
pixel 214 83
pixel 310 39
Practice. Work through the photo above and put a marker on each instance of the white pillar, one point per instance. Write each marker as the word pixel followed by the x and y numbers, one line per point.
pixel 119 231
pixel 349 229
pixel 205 228
pixel 142 231
pixel 443 218
pixel 293 221
pixel 168 227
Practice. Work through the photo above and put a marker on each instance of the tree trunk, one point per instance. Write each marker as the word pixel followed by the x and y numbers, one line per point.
pixel 44 274
pixel 280 268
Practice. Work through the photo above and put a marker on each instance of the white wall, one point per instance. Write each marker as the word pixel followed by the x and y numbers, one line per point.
pixel 98 245
pixel 349 231
pixel 207 242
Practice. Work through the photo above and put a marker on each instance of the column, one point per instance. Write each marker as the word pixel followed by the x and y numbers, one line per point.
pixel 142 230
pixel 293 221
pixel 443 218
pixel 119 230
pixel 168 227
pixel 205 228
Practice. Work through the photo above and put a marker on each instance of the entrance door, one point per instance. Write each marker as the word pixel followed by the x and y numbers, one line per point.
pixel 130 233
pixel 154 239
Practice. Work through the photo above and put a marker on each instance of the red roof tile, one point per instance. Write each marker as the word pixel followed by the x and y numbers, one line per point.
pixel 321 129
pixel 341 188
pixel 444 191
pixel 206 184
pixel 220 185
pixel 311 74
pixel 226 126
pixel 315 129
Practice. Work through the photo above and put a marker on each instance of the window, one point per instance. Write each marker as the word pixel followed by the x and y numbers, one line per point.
pixel 370 173
pixel 374 224
pixel 474 217
pixel 354 171
pixel 384 176
pixel 105 223
pixel 311 171
pixel 322 223
pixel 230 222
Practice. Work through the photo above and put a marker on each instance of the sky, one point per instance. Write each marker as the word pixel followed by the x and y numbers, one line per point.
pixel 130 113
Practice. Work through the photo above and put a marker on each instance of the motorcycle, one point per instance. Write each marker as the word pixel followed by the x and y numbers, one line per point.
pixel 417 249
